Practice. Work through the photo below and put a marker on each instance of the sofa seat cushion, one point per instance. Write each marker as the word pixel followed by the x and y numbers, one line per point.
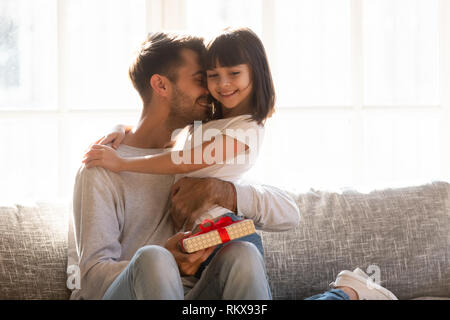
pixel 33 251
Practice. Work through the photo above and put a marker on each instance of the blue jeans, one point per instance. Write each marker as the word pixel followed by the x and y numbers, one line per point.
pixel 236 272
pixel 333 294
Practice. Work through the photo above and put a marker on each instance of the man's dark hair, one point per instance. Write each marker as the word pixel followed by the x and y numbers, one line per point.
pixel 242 46
pixel 160 54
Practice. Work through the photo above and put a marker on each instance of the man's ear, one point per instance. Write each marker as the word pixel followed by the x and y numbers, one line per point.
pixel 160 84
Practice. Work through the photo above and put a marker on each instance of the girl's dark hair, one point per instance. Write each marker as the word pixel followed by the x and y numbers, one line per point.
pixel 242 46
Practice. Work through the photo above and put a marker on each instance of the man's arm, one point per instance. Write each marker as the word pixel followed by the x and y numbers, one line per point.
pixel 270 208
pixel 97 231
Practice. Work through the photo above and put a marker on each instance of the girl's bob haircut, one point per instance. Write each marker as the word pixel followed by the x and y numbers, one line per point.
pixel 242 46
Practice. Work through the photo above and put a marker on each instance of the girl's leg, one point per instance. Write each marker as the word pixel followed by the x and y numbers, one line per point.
pixel 334 294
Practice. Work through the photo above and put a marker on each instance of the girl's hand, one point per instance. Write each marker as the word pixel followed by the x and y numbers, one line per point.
pixel 103 156
pixel 115 137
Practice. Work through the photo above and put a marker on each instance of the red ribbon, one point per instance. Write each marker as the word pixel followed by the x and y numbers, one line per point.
pixel 219 226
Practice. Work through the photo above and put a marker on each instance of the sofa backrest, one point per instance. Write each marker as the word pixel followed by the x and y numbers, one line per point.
pixel 399 236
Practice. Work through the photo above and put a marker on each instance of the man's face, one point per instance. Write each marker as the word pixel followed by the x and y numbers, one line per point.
pixel 189 101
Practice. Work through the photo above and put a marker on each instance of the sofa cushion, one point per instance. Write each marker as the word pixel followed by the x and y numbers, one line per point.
pixel 33 251
pixel 400 236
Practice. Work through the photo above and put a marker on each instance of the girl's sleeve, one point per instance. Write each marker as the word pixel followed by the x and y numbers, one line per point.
pixel 246 132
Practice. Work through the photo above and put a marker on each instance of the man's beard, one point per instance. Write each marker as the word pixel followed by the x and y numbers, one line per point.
pixel 184 111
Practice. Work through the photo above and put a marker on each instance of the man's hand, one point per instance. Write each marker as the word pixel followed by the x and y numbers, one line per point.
pixel 191 197
pixel 188 263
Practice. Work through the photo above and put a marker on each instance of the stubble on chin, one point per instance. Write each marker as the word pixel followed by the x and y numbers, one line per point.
pixel 184 112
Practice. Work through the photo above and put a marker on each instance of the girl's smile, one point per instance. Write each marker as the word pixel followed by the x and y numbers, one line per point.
pixel 226 94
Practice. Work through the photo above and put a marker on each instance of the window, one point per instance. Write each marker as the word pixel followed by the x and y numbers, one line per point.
pixel 401 52
pixel 98 41
pixel 362 85
pixel 208 17
pixel 358 89
pixel 63 82
pixel 312 47
pixel 27 54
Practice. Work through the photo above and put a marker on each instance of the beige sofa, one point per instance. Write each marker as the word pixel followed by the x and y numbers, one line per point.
pixel 400 236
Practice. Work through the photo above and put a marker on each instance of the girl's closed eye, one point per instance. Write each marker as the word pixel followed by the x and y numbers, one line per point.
pixel 212 75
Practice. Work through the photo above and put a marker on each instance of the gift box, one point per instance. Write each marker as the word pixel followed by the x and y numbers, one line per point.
pixel 214 233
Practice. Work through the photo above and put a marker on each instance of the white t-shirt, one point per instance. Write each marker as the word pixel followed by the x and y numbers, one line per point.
pixel 243 129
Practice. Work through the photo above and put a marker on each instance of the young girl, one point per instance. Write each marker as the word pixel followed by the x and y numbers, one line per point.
pixel 240 83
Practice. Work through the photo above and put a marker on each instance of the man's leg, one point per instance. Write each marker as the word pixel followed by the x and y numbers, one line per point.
pixel 237 271
pixel 151 274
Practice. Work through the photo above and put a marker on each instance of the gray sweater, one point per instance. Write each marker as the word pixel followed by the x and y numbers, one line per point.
pixel 115 214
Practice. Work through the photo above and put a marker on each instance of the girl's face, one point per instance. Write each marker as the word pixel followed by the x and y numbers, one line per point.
pixel 232 87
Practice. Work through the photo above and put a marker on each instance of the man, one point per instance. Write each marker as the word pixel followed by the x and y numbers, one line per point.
pixel 125 243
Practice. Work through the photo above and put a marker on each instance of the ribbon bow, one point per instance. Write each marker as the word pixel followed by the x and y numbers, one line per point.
pixel 219 226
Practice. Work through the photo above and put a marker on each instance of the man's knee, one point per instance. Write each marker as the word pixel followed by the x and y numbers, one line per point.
pixel 154 274
pixel 238 249
pixel 155 258
pixel 243 254
pixel 240 271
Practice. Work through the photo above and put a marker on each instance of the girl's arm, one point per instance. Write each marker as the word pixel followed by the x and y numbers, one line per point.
pixel 219 150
